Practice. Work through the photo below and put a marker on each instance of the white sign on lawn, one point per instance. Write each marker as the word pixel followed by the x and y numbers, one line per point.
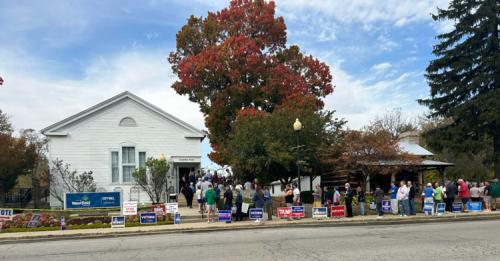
pixel 129 208
pixel 172 207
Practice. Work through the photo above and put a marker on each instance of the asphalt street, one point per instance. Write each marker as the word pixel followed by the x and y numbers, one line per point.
pixel 474 240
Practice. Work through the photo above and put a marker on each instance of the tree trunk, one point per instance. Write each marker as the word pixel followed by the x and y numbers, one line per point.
pixel 367 184
pixel 496 153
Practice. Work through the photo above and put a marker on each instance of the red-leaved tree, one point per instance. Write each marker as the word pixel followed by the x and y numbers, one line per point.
pixel 237 59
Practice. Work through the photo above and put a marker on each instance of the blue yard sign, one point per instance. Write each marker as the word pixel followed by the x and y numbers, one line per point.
pixel 82 200
pixel 440 208
pixel 386 206
pixel 320 212
pixel 118 221
pixel 474 206
pixel 147 218
pixel 457 207
pixel 177 218
pixel 256 213
pixel 225 215
pixel 429 208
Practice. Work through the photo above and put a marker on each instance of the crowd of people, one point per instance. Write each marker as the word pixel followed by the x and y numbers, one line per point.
pixel 214 193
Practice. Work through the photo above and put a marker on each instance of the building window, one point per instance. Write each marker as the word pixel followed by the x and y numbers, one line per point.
pixel 115 171
pixel 142 159
pixel 128 122
pixel 128 163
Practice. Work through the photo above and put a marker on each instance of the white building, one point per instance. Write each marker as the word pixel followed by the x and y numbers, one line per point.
pixel 114 137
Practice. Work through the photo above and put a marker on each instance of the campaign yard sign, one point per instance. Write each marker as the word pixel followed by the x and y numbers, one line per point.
pixel 159 209
pixel 256 213
pixel 338 211
pixel 224 216
pixel 320 212
pixel 147 218
pixel 429 208
pixel 129 208
pixel 474 206
pixel 177 218
pixel 284 212
pixel 117 221
pixel 440 209
pixel 457 207
pixel 298 211
pixel 386 206
pixel 171 207
pixel 83 200
pixel 35 220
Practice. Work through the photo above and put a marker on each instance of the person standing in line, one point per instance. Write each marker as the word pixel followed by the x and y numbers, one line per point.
pixel 210 196
pixel 403 199
pixel 239 204
pixel 361 200
pixel 411 199
pixel 228 198
pixel 336 196
pixel 463 191
pixel 325 201
pixel 451 193
pixel 474 193
pixel 217 195
pixel 349 194
pixel 288 197
pixel 268 203
pixel 394 198
pixel 481 193
pixel 258 200
pixel 428 195
pixel 438 194
pixel 487 197
pixel 296 195
pixel 379 197
pixel 318 193
pixel 199 198
pixel 188 195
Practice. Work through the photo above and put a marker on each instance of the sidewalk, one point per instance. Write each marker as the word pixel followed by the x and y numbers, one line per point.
pixel 205 227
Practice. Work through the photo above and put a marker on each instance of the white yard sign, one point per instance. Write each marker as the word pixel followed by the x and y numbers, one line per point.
pixel 129 208
pixel 172 207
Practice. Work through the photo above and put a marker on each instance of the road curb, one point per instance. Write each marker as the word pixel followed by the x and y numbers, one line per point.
pixel 251 226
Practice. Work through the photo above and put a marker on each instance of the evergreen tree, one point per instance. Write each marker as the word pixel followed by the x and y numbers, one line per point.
pixel 465 76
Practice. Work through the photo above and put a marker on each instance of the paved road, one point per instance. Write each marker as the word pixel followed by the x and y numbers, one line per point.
pixel 478 240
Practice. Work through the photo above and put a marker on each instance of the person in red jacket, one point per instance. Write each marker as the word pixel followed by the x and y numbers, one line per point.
pixel 463 191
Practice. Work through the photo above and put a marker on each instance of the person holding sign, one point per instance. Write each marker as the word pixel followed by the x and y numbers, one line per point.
pixel 438 194
pixel 379 196
pixel 349 194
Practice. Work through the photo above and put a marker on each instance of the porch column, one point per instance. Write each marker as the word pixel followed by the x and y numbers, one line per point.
pixel 367 185
pixel 421 179
pixel 393 177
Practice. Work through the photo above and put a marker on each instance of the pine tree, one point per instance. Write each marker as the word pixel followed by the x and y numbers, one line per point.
pixel 465 76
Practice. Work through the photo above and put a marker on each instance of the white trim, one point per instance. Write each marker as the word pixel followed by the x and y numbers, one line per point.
pixel 192 131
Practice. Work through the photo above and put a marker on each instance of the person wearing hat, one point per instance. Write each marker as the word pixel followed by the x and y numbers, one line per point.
pixel 428 194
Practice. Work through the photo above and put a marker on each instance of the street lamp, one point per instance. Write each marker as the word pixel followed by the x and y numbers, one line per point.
pixel 297 127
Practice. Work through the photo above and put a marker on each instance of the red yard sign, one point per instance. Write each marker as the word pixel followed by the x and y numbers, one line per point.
pixel 338 211
pixel 284 212
pixel 158 209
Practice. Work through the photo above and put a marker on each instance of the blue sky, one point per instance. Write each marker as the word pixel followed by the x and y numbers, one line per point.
pixel 60 57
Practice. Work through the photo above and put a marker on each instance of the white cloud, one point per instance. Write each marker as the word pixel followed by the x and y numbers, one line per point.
pixel 381 68
pixel 36 100
pixel 360 102
pixel 399 12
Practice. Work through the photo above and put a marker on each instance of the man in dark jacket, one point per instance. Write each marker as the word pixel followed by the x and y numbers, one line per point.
pixel 349 194
pixel 411 198
pixel 450 194
pixel 379 196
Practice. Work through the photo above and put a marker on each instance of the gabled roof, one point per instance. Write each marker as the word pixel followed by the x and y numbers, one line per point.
pixel 413 149
pixel 193 132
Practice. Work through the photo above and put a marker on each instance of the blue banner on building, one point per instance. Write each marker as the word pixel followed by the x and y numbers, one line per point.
pixel 92 200
pixel 148 218
pixel 474 206
pixel 256 213
pixel 225 215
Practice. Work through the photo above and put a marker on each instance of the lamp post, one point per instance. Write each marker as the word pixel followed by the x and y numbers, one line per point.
pixel 297 127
